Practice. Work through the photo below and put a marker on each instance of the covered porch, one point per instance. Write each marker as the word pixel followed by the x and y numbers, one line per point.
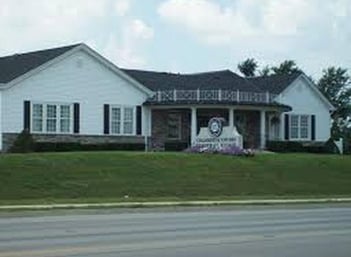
pixel 176 127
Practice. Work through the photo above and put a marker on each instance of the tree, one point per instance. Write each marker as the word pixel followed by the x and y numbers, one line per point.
pixel 286 67
pixel 248 67
pixel 335 85
pixel 266 71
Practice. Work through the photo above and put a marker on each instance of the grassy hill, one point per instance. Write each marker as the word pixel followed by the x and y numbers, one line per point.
pixel 110 176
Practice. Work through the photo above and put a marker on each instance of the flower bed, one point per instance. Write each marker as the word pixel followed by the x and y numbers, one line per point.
pixel 232 150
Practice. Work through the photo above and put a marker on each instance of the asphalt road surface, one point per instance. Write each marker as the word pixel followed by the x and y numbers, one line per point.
pixel 232 231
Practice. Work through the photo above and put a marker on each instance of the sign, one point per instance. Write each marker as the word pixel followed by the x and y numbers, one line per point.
pixel 217 136
pixel 215 127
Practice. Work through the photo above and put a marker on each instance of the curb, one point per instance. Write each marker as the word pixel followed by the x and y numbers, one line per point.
pixel 174 203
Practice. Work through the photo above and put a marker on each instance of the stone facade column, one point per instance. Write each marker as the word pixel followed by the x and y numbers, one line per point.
pixel 193 125
pixel 263 130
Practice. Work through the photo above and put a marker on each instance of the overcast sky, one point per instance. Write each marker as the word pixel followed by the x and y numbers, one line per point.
pixel 185 35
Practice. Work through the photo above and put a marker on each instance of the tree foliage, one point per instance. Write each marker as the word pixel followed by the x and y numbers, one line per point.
pixel 335 84
pixel 286 67
pixel 265 71
pixel 248 67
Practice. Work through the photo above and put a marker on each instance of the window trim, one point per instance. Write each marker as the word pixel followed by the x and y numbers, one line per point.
pixel 58 118
pixel 122 108
pixel 309 128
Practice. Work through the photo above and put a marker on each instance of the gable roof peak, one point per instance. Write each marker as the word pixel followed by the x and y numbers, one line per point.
pixel 42 50
pixel 16 65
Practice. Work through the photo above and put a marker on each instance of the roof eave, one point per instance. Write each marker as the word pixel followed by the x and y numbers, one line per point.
pixel 284 107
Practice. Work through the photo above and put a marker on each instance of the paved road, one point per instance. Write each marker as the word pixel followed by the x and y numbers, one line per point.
pixel 240 231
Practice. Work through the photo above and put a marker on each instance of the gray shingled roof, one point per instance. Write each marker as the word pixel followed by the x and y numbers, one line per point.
pixel 274 84
pixel 11 67
pixel 224 79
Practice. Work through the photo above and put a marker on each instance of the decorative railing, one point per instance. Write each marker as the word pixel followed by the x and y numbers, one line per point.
pixel 220 95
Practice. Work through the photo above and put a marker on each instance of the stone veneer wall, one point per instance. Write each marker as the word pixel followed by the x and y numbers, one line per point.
pixel 160 128
pixel 9 138
pixel 250 129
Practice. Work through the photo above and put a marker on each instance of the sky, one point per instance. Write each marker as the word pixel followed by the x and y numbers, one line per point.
pixel 185 35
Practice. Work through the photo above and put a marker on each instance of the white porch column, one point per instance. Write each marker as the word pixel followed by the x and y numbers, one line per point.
pixel 146 123
pixel 282 127
pixel 146 126
pixel 263 130
pixel 231 117
pixel 193 124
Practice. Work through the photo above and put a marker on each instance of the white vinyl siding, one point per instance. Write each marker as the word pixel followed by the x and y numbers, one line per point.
pixel 300 127
pixel 90 84
pixel 52 118
pixel 303 100
pixel 122 120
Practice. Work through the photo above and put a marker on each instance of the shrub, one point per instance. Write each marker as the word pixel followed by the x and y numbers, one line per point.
pixel 302 147
pixel 284 146
pixel 330 147
pixel 71 147
pixel 24 143
pixel 175 146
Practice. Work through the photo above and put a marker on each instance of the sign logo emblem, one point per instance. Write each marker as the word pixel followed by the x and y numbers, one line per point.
pixel 215 127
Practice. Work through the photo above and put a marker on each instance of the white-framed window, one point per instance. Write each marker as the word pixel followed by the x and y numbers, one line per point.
pixel 128 120
pixel 122 120
pixel 300 127
pixel 116 114
pixel 53 118
pixel 37 118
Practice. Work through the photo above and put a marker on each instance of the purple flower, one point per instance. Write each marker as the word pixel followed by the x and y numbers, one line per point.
pixel 232 150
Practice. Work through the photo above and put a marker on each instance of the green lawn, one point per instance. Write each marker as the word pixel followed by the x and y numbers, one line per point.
pixel 109 176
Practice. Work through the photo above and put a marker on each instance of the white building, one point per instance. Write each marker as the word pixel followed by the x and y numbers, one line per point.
pixel 73 94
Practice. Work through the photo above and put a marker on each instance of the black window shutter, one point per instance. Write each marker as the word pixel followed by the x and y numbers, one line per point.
pixel 138 120
pixel 287 127
pixel 26 116
pixel 106 119
pixel 313 127
pixel 76 118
